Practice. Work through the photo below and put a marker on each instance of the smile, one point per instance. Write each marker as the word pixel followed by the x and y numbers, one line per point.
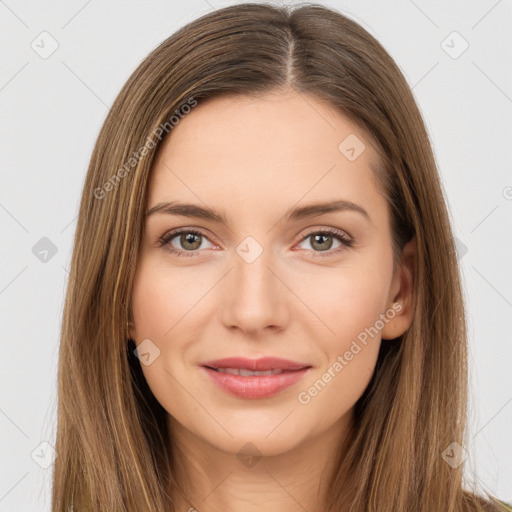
pixel 253 384
pixel 247 373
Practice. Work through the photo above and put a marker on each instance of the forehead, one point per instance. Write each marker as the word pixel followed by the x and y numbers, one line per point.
pixel 255 152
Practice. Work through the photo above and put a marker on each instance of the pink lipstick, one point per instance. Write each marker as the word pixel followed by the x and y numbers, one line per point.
pixel 254 378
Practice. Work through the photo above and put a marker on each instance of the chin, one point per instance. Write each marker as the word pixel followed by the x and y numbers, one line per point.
pixel 273 433
pixel 256 444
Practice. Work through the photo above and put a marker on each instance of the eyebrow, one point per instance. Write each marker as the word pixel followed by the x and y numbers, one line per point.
pixel 206 213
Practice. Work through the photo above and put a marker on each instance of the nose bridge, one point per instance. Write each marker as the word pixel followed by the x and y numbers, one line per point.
pixel 254 299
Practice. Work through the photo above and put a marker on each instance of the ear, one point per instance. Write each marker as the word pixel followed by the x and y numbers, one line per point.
pixel 131 330
pixel 402 293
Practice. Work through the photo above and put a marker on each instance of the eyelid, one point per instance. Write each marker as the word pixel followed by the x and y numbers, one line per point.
pixel 346 241
pixel 330 230
pixel 343 237
pixel 168 236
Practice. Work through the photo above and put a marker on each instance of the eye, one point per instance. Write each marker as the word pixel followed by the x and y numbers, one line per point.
pixel 322 241
pixel 189 239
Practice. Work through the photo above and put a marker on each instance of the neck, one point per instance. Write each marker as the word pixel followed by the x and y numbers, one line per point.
pixel 211 479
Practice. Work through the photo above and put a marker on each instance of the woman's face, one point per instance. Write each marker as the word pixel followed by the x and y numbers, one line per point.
pixel 265 282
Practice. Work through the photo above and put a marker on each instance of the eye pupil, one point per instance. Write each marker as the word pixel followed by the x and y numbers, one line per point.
pixel 321 236
pixel 188 238
pixel 189 242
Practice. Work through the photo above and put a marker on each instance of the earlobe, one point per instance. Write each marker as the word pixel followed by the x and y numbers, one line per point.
pixel 401 312
pixel 131 330
pixel 399 320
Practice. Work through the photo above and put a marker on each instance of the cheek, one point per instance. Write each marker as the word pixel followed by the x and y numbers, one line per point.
pixel 150 306
pixel 162 299
pixel 159 309
pixel 349 303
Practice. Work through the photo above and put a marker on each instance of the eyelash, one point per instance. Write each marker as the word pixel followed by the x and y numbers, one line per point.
pixel 339 235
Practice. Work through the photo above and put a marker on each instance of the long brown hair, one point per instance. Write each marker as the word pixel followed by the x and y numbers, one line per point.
pixel 112 441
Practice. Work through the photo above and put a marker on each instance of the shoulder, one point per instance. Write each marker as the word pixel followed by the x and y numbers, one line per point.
pixel 496 506
pixel 489 503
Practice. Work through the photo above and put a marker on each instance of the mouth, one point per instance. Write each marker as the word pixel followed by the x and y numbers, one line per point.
pixel 247 373
pixel 254 378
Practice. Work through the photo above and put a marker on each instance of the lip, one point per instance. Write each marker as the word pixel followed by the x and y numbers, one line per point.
pixel 261 364
pixel 255 386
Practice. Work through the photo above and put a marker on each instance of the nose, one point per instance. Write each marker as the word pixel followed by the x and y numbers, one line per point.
pixel 255 297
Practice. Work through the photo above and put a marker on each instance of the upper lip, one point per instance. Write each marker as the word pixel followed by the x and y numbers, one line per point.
pixel 261 364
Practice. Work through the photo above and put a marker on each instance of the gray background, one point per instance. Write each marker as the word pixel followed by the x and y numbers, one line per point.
pixel 52 109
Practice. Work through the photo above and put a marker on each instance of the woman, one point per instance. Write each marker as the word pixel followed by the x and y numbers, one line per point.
pixel 266 310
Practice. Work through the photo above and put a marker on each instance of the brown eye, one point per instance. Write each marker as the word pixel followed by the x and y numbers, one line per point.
pixel 322 241
pixel 184 242
pixel 190 241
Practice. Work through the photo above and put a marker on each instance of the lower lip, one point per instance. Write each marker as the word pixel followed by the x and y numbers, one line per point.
pixel 255 386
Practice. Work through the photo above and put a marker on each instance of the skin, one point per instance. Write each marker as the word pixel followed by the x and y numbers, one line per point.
pixel 253 160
